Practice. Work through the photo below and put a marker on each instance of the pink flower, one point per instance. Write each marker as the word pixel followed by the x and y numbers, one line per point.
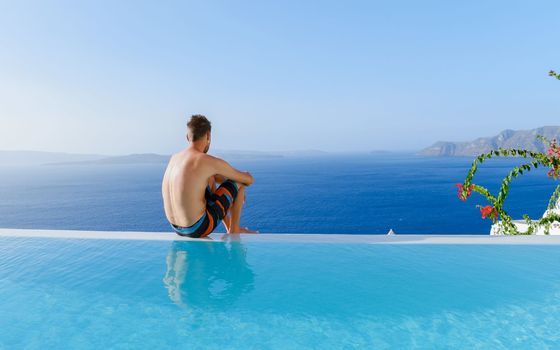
pixel 553 150
pixel 554 172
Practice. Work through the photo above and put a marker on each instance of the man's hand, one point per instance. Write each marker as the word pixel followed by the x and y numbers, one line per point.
pixel 250 177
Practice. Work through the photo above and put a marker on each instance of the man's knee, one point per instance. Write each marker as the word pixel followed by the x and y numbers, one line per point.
pixel 235 189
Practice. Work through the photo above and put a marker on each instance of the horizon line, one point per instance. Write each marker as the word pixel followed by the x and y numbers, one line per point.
pixel 218 150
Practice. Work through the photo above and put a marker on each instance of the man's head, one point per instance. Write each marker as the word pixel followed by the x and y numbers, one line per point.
pixel 199 129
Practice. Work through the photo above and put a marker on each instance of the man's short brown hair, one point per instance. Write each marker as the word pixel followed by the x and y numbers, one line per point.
pixel 197 127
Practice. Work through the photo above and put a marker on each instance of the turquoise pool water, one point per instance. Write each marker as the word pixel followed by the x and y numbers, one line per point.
pixel 121 294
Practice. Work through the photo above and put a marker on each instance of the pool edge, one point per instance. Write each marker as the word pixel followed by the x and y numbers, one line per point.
pixel 287 237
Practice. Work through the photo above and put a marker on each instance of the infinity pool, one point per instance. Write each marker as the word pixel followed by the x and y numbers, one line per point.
pixel 130 294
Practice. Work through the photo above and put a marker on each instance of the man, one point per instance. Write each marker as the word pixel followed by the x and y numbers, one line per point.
pixel 193 205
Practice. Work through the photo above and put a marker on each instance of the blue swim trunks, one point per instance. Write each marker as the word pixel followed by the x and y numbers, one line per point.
pixel 217 207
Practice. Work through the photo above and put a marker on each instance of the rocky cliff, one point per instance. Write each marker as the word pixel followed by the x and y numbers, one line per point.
pixel 526 139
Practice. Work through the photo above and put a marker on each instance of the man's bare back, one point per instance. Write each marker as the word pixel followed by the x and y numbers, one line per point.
pixel 185 182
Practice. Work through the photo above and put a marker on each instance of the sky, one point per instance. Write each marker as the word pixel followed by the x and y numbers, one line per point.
pixel 117 77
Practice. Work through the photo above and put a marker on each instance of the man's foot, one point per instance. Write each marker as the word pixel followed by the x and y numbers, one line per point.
pixel 246 230
pixel 243 230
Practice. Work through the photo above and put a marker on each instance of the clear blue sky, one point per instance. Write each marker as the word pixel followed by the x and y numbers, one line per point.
pixel 119 77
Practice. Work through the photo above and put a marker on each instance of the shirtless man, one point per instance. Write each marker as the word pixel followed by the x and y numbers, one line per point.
pixel 193 205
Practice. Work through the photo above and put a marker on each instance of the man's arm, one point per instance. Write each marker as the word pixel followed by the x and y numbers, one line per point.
pixel 221 167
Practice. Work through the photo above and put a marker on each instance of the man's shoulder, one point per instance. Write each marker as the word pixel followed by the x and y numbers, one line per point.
pixel 180 154
pixel 211 162
pixel 210 158
pixel 190 158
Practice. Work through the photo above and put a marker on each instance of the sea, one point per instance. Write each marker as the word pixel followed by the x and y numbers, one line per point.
pixel 327 194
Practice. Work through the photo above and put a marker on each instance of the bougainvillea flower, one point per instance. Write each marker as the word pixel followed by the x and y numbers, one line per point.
pixel 461 189
pixel 554 150
pixel 554 173
pixel 489 211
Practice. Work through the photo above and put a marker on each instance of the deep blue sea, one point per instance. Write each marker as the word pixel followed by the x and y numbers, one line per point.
pixel 353 194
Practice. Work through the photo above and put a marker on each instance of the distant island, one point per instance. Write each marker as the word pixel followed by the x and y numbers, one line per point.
pixel 526 139
pixel 24 158
pixel 40 157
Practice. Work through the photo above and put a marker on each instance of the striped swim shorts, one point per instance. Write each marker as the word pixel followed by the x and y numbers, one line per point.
pixel 217 206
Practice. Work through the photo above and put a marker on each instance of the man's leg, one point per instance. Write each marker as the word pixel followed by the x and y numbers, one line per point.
pixel 227 222
pixel 235 213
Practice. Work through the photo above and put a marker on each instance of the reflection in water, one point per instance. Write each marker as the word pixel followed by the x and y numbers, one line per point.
pixel 207 274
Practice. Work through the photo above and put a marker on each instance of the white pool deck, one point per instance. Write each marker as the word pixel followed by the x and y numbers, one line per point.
pixel 289 237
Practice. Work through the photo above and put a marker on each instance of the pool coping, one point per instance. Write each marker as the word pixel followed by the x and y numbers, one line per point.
pixel 288 237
